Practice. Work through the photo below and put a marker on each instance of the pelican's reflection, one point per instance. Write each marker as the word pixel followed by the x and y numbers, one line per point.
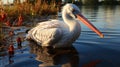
pixel 59 57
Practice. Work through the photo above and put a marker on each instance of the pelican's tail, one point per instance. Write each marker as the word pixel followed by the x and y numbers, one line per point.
pixel 27 37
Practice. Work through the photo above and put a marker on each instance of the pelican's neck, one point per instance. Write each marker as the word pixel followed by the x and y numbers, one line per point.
pixel 69 21
pixel 74 27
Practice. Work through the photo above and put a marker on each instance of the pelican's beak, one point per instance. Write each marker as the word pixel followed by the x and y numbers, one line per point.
pixel 87 23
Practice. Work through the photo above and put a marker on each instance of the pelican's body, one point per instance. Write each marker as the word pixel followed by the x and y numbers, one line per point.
pixel 59 33
pixel 54 32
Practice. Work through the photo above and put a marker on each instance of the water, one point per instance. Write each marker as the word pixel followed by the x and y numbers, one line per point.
pixel 106 19
pixel 90 50
pixel 90 46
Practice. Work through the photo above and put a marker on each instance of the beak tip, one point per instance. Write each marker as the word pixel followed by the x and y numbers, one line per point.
pixel 101 36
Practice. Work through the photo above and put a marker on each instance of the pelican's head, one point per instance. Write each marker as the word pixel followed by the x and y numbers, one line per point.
pixel 71 11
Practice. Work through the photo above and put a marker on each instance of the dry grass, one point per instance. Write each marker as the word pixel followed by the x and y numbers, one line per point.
pixel 28 9
pixel 1 34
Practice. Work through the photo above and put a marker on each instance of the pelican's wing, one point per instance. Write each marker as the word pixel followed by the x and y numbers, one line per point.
pixel 46 33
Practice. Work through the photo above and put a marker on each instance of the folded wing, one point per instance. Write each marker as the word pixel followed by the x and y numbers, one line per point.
pixel 46 33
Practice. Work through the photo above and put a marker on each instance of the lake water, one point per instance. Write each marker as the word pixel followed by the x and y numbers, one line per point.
pixel 90 50
pixel 90 46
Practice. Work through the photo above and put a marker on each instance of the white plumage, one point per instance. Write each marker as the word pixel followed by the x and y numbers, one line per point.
pixel 58 33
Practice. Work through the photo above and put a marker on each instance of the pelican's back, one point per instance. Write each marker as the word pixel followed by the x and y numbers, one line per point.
pixel 46 33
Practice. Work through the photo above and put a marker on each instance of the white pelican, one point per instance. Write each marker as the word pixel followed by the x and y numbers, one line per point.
pixel 58 33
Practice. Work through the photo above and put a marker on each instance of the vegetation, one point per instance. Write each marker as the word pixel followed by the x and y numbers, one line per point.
pixel 1 38
pixel 0 32
pixel 110 2
pixel 90 2
pixel 94 2
pixel 28 9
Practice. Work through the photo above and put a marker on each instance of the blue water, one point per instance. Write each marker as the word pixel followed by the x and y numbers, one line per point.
pixel 90 46
pixel 92 51
pixel 106 19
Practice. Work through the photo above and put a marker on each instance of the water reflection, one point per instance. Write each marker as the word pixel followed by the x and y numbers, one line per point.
pixel 106 19
pixel 63 57
pixel 90 12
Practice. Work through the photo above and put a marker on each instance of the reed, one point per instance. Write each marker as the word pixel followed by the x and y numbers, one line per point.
pixel 1 38
pixel 29 9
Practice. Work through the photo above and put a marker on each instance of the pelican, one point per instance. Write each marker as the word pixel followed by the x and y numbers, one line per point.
pixel 57 33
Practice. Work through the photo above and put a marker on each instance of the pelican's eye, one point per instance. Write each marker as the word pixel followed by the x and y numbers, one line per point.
pixel 73 10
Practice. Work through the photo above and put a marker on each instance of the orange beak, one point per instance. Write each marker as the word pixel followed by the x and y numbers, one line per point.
pixel 91 26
